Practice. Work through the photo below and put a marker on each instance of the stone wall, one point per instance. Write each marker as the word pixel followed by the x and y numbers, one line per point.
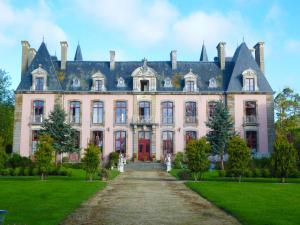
pixel 17 123
pixel 270 122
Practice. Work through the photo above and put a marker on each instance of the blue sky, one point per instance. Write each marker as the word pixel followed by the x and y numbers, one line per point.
pixel 151 29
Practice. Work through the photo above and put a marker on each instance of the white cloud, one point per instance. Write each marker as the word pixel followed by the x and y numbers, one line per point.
pixel 292 45
pixel 29 23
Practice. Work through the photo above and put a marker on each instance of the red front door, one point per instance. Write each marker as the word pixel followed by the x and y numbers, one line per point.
pixel 144 150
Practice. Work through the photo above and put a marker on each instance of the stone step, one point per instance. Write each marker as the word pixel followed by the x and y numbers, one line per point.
pixel 144 166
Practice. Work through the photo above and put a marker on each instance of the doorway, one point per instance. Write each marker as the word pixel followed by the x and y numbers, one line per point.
pixel 144 146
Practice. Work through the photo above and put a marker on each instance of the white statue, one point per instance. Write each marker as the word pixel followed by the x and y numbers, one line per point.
pixel 169 167
pixel 121 164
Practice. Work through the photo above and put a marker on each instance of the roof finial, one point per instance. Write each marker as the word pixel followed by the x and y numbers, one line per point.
pixel 191 70
pixel 243 39
pixel 43 39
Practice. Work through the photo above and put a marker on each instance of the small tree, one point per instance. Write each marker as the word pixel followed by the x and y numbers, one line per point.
pixel 44 154
pixel 283 158
pixel 239 156
pixel 197 152
pixel 91 160
pixel 3 155
pixel 62 133
pixel 221 130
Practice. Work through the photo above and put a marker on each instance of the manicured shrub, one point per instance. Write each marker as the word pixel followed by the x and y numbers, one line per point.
pixel 222 173
pixel 104 173
pixel 248 173
pixel 91 161
pixel 53 170
pixel 35 171
pixel 185 175
pixel 15 160
pixel 65 159
pixel 62 171
pixel 73 165
pixel 18 171
pixel 26 171
pixel 261 163
pixel 179 161
pixel 265 172
pixel 5 172
pixel 3 155
pixel 257 172
pixel 11 171
pixel 113 159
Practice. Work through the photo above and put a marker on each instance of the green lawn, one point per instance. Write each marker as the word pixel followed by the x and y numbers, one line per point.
pixel 254 203
pixel 31 201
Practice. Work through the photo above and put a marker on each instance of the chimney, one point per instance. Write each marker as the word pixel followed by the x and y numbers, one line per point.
pixel 112 59
pixel 25 52
pixel 173 57
pixel 32 53
pixel 221 54
pixel 260 55
pixel 64 54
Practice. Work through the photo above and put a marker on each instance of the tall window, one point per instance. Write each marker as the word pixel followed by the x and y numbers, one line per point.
pixel 39 83
pixel 144 111
pixel 121 111
pixel 38 111
pixel 98 85
pixel 190 135
pixel 144 85
pixel 251 137
pixel 97 112
pixel 190 86
pixel 167 137
pixel 190 112
pixel 211 108
pixel 77 139
pixel 34 142
pixel 167 112
pixel 249 84
pixel 75 112
pixel 98 139
pixel 120 141
pixel 250 111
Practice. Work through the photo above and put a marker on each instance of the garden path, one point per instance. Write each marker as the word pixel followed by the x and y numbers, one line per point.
pixel 148 197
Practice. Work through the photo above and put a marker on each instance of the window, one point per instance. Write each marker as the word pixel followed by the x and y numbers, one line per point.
pixel 75 83
pixel 144 111
pixel 168 83
pixel 144 85
pixel 98 85
pixel 38 111
pixel 190 135
pixel 121 82
pixel 167 137
pixel 98 139
pixel 190 112
pixel 249 84
pixel 189 86
pixel 75 112
pixel 250 111
pixel 120 141
pixel 251 138
pixel 77 139
pixel 39 83
pixel 34 142
pixel 97 112
pixel 167 112
pixel 120 112
pixel 211 108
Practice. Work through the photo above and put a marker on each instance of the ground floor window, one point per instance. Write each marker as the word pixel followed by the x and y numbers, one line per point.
pixel 190 135
pixel 251 138
pixel 98 139
pixel 168 142
pixel 120 141
pixel 77 139
pixel 34 141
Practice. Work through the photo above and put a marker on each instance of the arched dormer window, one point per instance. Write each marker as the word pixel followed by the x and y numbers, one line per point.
pixel 168 82
pixel 75 83
pixel 39 79
pixel 190 82
pixel 249 80
pixel 144 78
pixel 121 82
pixel 212 83
pixel 98 82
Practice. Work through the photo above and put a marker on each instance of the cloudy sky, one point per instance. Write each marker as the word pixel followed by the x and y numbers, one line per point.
pixel 152 28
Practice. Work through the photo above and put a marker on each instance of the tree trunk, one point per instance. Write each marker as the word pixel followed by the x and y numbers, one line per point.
pixel 222 161
pixel 42 176
pixel 55 158
pixel 282 179
pixel 240 178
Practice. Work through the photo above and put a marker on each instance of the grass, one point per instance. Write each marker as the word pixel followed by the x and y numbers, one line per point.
pixel 254 203
pixel 29 200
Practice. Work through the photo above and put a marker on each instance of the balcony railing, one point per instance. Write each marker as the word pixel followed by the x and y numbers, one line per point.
pixel 251 120
pixel 143 120
pixel 191 119
pixel 37 119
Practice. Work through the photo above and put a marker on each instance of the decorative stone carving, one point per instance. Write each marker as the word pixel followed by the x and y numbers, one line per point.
pixel 75 83
pixel 212 83
pixel 168 82
pixel 121 82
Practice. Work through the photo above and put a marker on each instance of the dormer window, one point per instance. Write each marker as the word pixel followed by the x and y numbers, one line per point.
pixel 121 82
pixel 75 83
pixel 144 85
pixel 249 80
pixel 190 80
pixel 39 79
pixel 168 83
pixel 98 82
pixel 212 83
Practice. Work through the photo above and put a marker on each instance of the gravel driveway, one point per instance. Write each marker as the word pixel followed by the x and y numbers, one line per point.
pixel 148 197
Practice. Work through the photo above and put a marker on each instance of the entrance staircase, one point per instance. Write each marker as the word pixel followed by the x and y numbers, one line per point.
pixel 144 166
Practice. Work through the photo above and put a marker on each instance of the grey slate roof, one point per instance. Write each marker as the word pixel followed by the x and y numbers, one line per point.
pixel 228 80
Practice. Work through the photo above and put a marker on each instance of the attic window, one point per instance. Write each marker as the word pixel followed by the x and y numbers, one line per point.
pixel 190 80
pixel 121 82
pixel 76 83
pixel 168 83
pixel 39 79
pixel 144 85
pixel 249 80
pixel 212 83
pixel 98 82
